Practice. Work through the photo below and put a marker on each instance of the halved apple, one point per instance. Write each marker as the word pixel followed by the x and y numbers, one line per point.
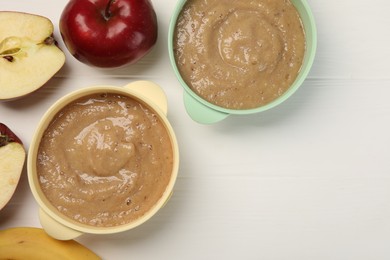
pixel 12 157
pixel 29 56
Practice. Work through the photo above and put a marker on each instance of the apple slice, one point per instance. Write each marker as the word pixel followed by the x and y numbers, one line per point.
pixel 29 56
pixel 12 157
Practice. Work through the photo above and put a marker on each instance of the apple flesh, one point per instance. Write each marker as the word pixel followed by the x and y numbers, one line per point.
pixel 29 56
pixel 109 33
pixel 12 157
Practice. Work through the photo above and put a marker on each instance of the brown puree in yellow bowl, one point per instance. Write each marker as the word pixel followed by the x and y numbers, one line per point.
pixel 105 160
pixel 239 54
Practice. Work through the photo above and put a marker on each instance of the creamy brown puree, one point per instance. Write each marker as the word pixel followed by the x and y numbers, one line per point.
pixel 239 54
pixel 105 160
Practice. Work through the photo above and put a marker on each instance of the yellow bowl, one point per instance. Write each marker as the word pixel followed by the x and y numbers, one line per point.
pixel 55 223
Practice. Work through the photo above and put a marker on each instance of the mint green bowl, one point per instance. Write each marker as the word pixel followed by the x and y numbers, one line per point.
pixel 205 112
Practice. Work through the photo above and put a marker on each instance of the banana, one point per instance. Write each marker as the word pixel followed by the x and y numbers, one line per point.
pixel 34 244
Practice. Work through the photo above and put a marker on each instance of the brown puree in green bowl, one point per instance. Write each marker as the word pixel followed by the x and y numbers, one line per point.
pixel 105 160
pixel 239 54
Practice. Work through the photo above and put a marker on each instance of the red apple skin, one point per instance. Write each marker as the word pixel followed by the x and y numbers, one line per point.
pixel 7 136
pixel 121 37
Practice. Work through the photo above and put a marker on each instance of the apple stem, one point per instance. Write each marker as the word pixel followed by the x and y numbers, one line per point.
pixel 107 12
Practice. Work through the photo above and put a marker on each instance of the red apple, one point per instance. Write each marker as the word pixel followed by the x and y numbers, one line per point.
pixel 109 33
pixel 12 157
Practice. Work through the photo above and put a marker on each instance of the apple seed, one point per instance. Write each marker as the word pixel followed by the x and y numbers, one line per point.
pixel 9 58
pixel 4 140
pixel 49 41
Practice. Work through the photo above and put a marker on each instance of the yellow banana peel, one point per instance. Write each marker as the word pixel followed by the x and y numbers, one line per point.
pixel 33 243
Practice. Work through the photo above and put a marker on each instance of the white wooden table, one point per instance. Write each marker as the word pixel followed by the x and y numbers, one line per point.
pixel 309 179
